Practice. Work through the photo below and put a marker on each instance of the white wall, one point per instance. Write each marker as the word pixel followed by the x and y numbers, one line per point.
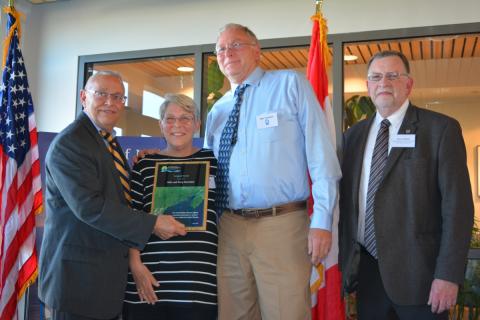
pixel 56 34
pixel 468 115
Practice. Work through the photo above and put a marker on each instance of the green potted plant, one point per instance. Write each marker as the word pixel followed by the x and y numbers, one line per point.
pixel 357 108
pixel 215 80
pixel 469 294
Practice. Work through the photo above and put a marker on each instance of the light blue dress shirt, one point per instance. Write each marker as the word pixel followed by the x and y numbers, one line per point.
pixel 270 163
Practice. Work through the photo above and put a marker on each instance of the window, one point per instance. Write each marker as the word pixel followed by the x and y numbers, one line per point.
pixel 150 104
pixel 215 84
pixel 146 81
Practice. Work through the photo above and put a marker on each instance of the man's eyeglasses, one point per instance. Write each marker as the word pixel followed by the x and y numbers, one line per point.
pixel 391 76
pixel 235 46
pixel 184 120
pixel 103 96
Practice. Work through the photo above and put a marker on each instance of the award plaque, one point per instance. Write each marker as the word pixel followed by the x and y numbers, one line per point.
pixel 181 190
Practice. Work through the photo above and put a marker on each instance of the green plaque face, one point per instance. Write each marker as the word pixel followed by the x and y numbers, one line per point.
pixel 181 190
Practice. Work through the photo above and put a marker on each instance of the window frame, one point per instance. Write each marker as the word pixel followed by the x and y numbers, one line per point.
pixel 337 41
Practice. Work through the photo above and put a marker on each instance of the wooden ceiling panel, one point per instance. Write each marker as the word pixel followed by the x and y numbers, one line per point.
pixel 458 47
pixel 395 45
pixel 266 61
pixel 469 46
pixel 384 46
pixel 301 56
pixel 374 49
pixel 476 48
pixel 444 47
pixel 448 49
pixel 406 49
pixel 416 50
pixel 291 59
pixel 365 52
pixel 356 52
pixel 437 49
pixel 278 60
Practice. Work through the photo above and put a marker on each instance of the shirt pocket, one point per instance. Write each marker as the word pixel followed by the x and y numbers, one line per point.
pixel 286 129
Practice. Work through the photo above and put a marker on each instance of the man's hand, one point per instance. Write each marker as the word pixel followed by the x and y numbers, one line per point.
pixel 319 244
pixel 145 281
pixel 143 153
pixel 167 227
pixel 443 295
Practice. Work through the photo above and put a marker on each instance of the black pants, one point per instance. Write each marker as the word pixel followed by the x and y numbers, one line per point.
pixel 60 315
pixel 373 302
pixel 163 312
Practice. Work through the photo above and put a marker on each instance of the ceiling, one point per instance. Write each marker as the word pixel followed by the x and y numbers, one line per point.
pixel 444 68
pixel 448 47
pixel 465 46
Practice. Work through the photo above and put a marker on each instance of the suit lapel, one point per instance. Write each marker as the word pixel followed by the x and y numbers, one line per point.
pixel 87 123
pixel 408 127
pixel 107 158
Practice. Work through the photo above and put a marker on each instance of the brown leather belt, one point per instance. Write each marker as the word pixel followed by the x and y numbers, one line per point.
pixel 270 212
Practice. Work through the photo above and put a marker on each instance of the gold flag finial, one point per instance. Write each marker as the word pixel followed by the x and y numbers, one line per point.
pixel 10 3
pixel 318 6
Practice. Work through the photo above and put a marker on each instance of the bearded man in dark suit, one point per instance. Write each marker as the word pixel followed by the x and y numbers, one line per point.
pixel 89 226
pixel 406 209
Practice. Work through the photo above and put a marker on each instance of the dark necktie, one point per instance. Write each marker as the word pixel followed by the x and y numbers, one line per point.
pixel 227 141
pixel 121 166
pixel 379 159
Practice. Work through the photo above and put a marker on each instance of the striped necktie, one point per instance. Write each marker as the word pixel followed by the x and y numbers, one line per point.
pixel 227 141
pixel 379 160
pixel 121 166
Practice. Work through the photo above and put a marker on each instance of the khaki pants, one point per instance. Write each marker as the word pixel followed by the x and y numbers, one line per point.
pixel 263 267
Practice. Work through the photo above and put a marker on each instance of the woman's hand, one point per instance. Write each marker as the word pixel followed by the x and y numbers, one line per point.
pixel 145 281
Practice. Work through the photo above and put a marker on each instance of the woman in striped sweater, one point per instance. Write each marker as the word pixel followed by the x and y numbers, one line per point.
pixel 174 278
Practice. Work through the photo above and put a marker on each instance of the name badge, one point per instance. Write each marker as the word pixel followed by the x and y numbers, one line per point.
pixel 403 141
pixel 267 120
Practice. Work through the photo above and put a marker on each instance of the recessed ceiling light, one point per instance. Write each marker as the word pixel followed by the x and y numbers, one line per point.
pixel 185 69
pixel 350 57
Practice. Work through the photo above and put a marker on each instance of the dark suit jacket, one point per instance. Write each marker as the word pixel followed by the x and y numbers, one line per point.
pixel 423 207
pixel 88 226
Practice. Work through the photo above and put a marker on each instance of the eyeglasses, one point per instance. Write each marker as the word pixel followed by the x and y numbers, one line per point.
pixel 391 76
pixel 103 96
pixel 184 120
pixel 235 46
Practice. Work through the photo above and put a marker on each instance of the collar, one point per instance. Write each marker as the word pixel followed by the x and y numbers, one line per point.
pixel 253 79
pixel 113 133
pixel 395 118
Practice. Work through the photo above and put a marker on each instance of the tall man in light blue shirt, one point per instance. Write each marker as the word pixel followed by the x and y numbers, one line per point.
pixel 267 243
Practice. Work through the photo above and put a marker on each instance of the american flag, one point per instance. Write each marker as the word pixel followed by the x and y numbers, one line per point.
pixel 20 184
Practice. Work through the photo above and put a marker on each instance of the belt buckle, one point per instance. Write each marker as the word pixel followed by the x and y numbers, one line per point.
pixel 251 213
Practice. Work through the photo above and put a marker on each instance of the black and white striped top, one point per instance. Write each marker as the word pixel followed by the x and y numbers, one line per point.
pixel 185 266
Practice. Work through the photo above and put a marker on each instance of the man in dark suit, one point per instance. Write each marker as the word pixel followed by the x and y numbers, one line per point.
pixel 89 225
pixel 406 210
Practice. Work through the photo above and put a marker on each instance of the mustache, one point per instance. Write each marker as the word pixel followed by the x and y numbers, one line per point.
pixel 383 90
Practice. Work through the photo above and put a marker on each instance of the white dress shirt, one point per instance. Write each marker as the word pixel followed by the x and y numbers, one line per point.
pixel 396 120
